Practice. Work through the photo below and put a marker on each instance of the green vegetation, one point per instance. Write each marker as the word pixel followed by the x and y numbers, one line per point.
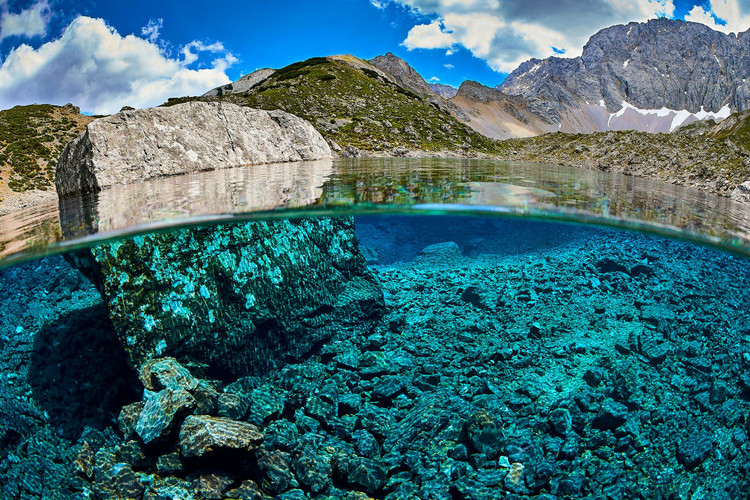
pixel 352 104
pixel 31 140
pixel 692 155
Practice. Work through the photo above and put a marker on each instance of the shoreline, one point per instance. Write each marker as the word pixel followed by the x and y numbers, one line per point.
pixel 18 201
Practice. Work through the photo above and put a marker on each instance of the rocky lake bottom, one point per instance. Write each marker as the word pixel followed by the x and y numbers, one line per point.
pixel 514 359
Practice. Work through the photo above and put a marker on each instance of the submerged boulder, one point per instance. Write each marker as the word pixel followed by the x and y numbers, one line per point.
pixel 204 435
pixel 135 145
pixel 233 299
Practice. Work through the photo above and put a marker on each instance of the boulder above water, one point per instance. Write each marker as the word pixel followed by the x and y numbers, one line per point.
pixel 135 145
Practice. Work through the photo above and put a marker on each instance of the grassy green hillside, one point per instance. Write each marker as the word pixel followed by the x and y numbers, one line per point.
pixel 350 102
pixel 692 156
pixel 31 140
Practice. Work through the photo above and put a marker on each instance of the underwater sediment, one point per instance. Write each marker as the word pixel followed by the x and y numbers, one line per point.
pixel 512 359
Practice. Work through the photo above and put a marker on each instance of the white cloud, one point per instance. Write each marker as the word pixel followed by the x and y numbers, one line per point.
pixel 506 33
pixel 152 30
pixel 28 23
pixel 448 66
pixel 94 67
pixel 434 79
pixel 728 12
pixel 428 36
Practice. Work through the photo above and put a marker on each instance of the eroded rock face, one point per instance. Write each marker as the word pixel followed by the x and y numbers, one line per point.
pixel 660 63
pixel 235 299
pixel 135 145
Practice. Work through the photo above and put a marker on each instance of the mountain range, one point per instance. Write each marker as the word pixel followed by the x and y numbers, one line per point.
pixel 658 76
pixel 653 76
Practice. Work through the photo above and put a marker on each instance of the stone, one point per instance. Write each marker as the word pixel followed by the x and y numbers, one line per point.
pixel 169 463
pixel 128 418
pixel 314 470
pixel 248 490
pixel 238 299
pixel 387 387
pixel 561 421
pixel 446 253
pixel 363 473
pixel 213 486
pixel 351 152
pixel 202 435
pixel 741 193
pixel 123 482
pixel 694 450
pixel 85 461
pixel 233 406
pixel 276 469
pixel 206 398
pixel 611 415
pixel 166 373
pixel 160 411
pixel 135 145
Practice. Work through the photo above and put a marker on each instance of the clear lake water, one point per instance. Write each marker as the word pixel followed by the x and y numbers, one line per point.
pixel 388 329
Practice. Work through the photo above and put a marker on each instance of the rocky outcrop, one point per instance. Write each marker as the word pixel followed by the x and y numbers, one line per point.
pixel 403 73
pixel 742 193
pixel 663 63
pixel 133 146
pixel 236 299
pixel 444 91
pixel 244 84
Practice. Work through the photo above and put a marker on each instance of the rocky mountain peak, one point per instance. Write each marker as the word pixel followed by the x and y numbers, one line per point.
pixel 478 92
pixel 403 73
pixel 662 63
pixel 444 91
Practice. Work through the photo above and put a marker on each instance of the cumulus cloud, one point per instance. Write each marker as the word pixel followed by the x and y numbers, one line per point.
pixel 94 67
pixel 506 33
pixel 428 36
pixel 728 16
pixel 28 23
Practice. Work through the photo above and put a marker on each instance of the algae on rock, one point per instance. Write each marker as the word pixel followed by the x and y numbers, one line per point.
pixel 235 299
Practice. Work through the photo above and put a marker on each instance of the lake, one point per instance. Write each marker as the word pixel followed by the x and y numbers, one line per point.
pixel 377 328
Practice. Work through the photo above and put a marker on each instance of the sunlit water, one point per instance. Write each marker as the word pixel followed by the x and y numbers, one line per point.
pixel 459 333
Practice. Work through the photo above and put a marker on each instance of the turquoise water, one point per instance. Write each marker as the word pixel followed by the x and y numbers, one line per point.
pixel 401 329
pixel 377 356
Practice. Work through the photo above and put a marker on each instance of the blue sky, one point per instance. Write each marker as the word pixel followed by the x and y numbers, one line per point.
pixel 103 55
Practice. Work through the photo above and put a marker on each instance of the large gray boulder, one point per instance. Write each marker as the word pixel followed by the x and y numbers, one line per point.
pixel 236 299
pixel 135 145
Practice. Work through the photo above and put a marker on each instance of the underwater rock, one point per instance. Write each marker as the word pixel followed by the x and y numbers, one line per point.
pixel 447 253
pixel 695 449
pixel 202 435
pixel 132 146
pixel 213 486
pixel 166 373
pixel 160 411
pixel 248 490
pixel 235 299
